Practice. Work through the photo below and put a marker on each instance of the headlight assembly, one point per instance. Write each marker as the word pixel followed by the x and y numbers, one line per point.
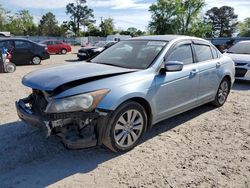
pixel 84 102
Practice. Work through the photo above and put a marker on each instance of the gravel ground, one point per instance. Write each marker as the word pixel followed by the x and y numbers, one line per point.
pixel 204 147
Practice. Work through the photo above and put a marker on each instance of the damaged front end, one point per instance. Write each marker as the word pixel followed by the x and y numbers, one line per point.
pixel 74 119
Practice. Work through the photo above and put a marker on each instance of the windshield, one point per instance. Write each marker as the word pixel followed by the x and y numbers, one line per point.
pixel 131 54
pixel 240 48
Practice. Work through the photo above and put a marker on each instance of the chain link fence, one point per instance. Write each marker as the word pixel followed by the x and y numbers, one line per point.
pixel 72 41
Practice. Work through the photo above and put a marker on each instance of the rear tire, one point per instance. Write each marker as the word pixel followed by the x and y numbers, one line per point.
pixel 222 93
pixel 36 60
pixel 63 51
pixel 126 127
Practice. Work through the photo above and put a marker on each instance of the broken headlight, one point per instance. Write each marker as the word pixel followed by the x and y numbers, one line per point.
pixel 84 102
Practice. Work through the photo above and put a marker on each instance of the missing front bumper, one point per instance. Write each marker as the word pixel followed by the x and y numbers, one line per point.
pixel 72 136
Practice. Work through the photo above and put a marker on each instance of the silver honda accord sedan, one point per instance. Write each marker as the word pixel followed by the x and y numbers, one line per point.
pixel 114 98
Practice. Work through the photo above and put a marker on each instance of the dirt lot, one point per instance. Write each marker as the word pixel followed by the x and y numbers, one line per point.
pixel 205 147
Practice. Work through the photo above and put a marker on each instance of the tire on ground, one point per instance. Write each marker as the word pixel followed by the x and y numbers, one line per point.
pixel 109 140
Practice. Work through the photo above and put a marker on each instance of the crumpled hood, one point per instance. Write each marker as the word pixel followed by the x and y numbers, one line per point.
pixel 243 58
pixel 51 78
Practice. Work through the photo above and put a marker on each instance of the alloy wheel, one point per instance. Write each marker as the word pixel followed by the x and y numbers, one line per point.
pixel 128 128
pixel 36 60
pixel 223 92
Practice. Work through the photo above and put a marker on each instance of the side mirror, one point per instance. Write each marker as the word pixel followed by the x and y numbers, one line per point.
pixel 173 66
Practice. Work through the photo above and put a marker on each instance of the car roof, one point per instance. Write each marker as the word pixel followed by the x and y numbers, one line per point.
pixel 167 38
pixel 6 39
pixel 51 40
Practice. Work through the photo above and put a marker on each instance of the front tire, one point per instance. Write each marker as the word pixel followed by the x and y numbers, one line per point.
pixel 222 93
pixel 126 127
pixel 36 60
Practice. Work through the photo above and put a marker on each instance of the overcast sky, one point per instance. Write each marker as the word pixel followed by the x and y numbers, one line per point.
pixel 126 13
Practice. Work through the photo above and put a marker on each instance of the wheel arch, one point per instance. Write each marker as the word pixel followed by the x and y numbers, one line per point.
pixel 145 104
pixel 228 77
pixel 36 55
pixel 103 131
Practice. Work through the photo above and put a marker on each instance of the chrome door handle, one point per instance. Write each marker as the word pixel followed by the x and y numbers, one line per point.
pixel 218 64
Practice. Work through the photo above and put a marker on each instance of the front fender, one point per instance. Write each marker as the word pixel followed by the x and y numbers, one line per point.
pixel 120 95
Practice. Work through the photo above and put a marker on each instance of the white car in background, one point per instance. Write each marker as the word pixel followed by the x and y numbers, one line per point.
pixel 240 54
pixel 5 34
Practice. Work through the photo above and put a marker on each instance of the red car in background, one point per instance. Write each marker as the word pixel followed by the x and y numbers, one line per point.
pixel 56 46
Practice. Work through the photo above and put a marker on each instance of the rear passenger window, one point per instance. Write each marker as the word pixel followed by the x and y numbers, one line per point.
pixel 50 43
pixel 56 42
pixel 22 44
pixel 182 53
pixel 203 52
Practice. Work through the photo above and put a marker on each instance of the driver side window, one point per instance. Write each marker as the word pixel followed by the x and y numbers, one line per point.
pixel 182 53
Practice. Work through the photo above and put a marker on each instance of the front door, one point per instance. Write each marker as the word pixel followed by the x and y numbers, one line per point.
pixel 177 91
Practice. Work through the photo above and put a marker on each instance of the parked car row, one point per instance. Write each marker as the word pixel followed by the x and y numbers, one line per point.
pixel 122 92
pixel 89 52
pixel 25 51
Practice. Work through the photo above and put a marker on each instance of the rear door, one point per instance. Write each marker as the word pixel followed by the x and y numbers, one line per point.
pixel 23 52
pixel 57 46
pixel 51 47
pixel 209 65
pixel 177 91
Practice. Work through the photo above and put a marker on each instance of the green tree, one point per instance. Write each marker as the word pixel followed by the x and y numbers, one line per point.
pixel 174 16
pixel 48 25
pixel 200 29
pixel 132 31
pixel 187 14
pixel 21 23
pixel 123 32
pixel 245 28
pixel 64 28
pixel 107 27
pixel 93 30
pixel 223 21
pixel 163 18
pixel 80 15
pixel 3 18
